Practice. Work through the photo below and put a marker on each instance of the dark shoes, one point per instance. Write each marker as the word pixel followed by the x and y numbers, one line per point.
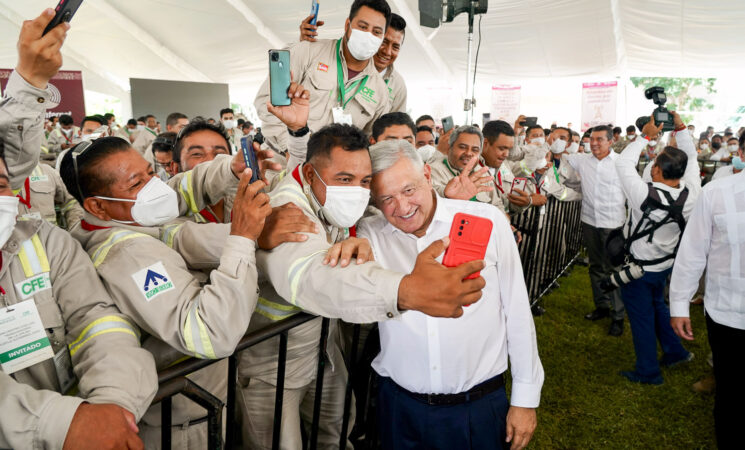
pixel 616 328
pixel 636 378
pixel 666 362
pixel 599 313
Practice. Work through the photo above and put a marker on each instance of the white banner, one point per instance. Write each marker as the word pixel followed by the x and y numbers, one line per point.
pixel 599 104
pixel 505 103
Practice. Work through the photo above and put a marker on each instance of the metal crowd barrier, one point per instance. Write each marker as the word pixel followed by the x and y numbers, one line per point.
pixel 551 243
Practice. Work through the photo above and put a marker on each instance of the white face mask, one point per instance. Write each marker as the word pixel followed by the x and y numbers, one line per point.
pixel 230 123
pixel 704 146
pixel 652 144
pixel 538 141
pixel 363 45
pixel 140 127
pixel 155 205
pixel 573 148
pixel 66 132
pixel 57 125
pixel 558 146
pixel 539 164
pixel 344 204
pixel 586 145
pixel 732 148
pixel 630 137
pixel 8 214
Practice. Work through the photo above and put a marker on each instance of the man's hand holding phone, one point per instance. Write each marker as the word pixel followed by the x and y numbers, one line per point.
pixel 295 115
pixel 308 31
pixel 39 57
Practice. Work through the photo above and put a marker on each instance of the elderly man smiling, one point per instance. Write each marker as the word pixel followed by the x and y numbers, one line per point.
pixel 442 380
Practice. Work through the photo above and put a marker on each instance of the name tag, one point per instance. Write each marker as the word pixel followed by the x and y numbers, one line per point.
pixel 23 341
pixel 33 285
pixel 34 179
pixel 341 117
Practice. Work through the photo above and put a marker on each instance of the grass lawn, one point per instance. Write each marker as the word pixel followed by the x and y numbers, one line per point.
pixel 586 404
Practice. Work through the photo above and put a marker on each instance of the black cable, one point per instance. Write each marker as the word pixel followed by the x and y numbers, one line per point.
pixel 476 63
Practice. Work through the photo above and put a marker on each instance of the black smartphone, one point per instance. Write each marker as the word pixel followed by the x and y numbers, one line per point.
pixel 63 13
pixel 529 122
pixel 279 77
pixel 447 124
pixel 249 157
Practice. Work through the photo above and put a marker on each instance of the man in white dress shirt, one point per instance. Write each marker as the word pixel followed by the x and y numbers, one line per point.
pixel 441 380
pixel 713 241
pixel 602 212
pixel 676 182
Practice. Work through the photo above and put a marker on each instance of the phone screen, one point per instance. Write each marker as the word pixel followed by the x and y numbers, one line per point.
pixel 519 183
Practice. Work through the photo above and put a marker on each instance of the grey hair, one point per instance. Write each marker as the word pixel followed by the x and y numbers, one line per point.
pixel 384 154
pixel 467 129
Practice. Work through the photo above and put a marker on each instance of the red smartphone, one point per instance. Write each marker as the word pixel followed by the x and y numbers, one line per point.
pixel 469 237
pixel 519 183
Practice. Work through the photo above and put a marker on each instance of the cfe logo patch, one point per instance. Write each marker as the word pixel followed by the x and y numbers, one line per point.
pixel 33 285
pixel 323 67
pixel 38 178
pixel 153 281
pixel 368 94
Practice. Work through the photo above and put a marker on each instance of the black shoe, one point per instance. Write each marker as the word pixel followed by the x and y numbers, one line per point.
pixel 599 313
pixel 616 328
pixel 538 310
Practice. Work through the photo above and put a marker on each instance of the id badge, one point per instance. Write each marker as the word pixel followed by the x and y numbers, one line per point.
pixel 23 340
pixel 341 117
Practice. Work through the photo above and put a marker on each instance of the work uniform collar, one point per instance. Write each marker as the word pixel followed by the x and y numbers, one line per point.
pixel 92 223
pixel 22 232
pixel 670 189
pixel 388 73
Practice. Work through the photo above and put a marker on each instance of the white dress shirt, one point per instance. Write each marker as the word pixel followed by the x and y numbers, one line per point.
pixel 636 191
pixel 425 354
pixel 722 172
pixel 723 152
pixel 714 240
pixel 602 197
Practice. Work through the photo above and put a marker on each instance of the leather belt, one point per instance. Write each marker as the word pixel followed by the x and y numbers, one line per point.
pixel 473 394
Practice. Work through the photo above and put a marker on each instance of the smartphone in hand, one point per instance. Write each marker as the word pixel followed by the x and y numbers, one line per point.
pixel 279 77
pixel 249 157
pixel 447 124
pixel 529 122
pixel 63 13
pixel 519 183
pixel 314 12
pixel 469 238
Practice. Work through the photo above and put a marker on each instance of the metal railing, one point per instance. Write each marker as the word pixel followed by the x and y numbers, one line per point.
pixel 551 243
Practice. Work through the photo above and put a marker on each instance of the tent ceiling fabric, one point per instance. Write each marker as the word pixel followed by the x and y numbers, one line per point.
pixel 200 40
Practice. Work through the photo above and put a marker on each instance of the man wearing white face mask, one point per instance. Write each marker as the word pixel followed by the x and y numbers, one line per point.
pixel 738 162
pixel 63 137
pixel 563 182
pixel 227 117
pixel 147 134
pixel 340 75
pixel 153 270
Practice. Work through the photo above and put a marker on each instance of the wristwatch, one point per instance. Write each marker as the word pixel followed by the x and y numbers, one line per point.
pixel 299 133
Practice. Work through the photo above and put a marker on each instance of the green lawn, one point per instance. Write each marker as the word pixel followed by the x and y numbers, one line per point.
pixel 586 404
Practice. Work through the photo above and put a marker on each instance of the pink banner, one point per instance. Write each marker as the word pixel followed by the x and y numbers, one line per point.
pixel 599 104
pixel 67 90
pixel 505 103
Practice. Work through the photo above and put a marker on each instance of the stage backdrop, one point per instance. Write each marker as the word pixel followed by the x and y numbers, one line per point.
pixel 162 97
pixel 67 90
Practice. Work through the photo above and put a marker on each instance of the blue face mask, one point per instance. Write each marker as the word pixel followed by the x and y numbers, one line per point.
pixel 737 163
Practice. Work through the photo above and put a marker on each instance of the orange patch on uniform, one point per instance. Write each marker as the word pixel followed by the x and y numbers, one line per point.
pixel 323 67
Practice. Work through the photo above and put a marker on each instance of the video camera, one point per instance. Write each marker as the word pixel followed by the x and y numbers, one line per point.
pixel 661 114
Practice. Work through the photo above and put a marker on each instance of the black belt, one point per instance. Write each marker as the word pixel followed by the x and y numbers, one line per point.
pixel 473 394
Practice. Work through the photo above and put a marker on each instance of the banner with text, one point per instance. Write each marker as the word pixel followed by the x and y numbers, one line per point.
pixel 599 104
pixel 505 103
pixel 67 90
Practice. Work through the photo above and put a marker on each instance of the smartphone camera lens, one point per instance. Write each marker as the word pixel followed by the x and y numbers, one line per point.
pixel 275 56
pixel 462 221
pixel 461 227
pixel 460 234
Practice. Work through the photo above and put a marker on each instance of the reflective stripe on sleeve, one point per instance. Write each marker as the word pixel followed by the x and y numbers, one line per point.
pixel 195 334
pixel 296 272
pixel 99 256
pixel 275 311
pixel 33 257
pixel 187 192
pixel 106 324
pixel 169 232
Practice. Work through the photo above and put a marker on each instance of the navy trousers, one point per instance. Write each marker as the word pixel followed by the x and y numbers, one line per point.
pixel 408 423
pixel 649 317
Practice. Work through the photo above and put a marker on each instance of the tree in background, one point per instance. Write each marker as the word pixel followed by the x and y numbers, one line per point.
pixel 681 93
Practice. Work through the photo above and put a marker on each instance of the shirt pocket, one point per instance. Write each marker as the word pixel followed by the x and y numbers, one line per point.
pixel 323 94
pixel 731 227
pixel 731 296
pixel 42 199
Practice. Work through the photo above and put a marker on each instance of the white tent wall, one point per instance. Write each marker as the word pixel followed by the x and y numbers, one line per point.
pixel 549 47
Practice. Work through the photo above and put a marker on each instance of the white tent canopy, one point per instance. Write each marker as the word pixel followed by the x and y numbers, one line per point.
pixel 523 42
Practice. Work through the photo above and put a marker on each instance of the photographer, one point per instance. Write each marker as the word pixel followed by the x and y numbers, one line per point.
pixel 658 212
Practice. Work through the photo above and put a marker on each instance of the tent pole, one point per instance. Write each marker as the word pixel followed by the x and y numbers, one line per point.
pixel 468 104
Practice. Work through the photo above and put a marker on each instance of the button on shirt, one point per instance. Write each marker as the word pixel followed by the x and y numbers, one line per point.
pixel 714 240
pixel 666 237
pixel 602 197
pixel 425 354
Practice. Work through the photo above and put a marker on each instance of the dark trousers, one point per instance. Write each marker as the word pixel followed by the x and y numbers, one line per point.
pixel 649 318
pixel 728 344
pixel 600 268
pixel 408 423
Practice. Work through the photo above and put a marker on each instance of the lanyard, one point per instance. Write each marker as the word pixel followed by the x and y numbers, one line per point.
pixel 343 91
pixel 498 181
pixel 445 161
pixel 556 174
pixel 151 131
pixel 26 200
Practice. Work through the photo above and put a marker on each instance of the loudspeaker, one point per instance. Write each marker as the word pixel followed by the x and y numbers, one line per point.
pixel 434 12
